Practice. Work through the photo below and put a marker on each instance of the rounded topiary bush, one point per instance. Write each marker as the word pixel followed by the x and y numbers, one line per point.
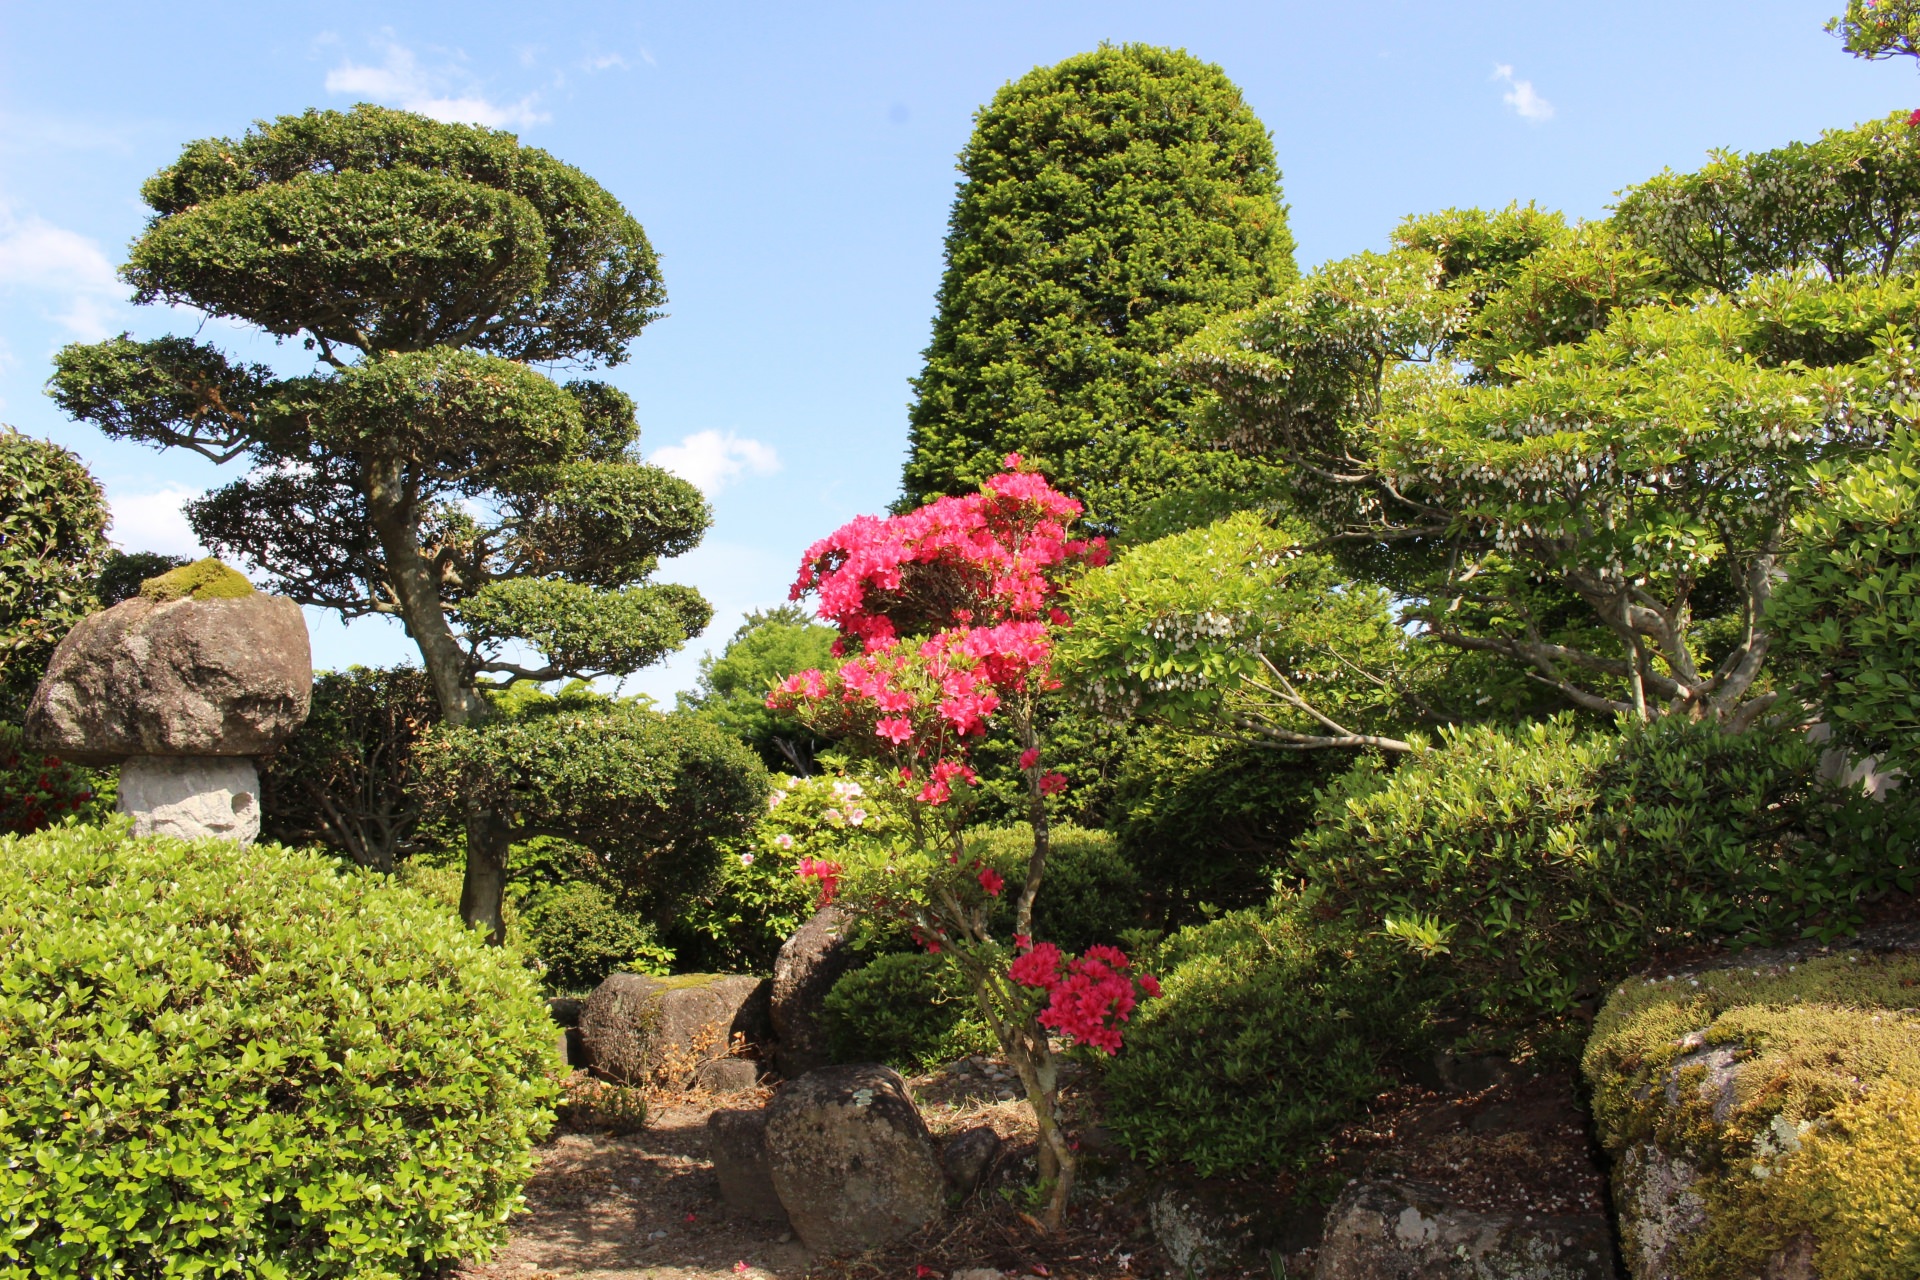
pixel 906 1009
pixel 217 1060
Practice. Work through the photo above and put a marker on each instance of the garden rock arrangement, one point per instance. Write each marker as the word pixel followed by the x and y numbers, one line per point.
pixel 1412 1231
pixel 809 963
pixel 184 686
pixel 851 1159
pixel 641 1030
pixel 1762 1111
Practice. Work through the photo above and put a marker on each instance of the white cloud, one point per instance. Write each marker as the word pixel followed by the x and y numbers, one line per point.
pixel 445 92
pixel 153 520
pixel 713 460
pixel 1522 97
pixel 65 268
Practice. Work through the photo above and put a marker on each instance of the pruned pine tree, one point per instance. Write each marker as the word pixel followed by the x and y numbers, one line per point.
pixel 424 469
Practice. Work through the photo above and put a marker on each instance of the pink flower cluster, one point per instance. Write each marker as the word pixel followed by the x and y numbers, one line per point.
pixel 984 559
pixel 827 873
pixel 1088 996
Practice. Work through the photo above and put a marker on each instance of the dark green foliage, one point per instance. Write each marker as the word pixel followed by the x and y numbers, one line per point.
pixel 737 919
pixel 1537 866
pixel 38 790
pixel 123 571
pixel 1271 1032
pixel 1091 893
pixel 581 935
pixel 244 1061
pixel 53 521
pixel 1849 611
pixel 656 796
pixel 906 1009
pixel 1205 820
pixel 348 778
pixel 769 646
pixel 1109 206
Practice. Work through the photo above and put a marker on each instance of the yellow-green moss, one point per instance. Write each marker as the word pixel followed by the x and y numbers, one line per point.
pixel 206 579
pixel 1822 1137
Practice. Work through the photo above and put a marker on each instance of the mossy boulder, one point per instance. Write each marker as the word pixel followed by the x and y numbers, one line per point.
pixel 643 1030
pixel 1764 1116
pixel 206 579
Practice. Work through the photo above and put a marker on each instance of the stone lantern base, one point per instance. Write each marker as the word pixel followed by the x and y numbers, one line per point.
pixel 192 797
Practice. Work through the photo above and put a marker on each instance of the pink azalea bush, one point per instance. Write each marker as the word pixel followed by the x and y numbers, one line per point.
pixel 946 617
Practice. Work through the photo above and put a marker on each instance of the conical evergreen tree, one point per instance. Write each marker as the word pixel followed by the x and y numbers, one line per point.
pixel 1110 205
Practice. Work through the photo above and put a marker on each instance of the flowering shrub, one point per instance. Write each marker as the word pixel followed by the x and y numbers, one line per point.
pixel 1087 997
pixel 36 789
pixel 946 618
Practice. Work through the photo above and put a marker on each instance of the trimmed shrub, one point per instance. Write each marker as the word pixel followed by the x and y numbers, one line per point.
pixel 53 526
pixel 908 1010
pixel 1543 864
pixel 1810 1132
pixel 581 935
pixel 217 1060
pixel 1090 894
pixel 1271 1030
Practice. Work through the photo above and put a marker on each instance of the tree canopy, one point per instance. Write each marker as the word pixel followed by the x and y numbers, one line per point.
pixel 1109 206
pixel 769 646
pixel 1579 449
pixel 423 469
pixel 53 527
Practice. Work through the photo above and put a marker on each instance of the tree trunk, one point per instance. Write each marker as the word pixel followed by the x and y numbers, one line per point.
pixel 394 514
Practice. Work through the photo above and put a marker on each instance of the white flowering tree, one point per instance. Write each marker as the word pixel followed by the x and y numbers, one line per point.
pixel 1575 451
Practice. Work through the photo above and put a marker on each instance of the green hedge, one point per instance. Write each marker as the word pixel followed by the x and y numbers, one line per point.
pixel 1540 864
pixel 246 1061
pixel 1271 1031
pixel 906 1009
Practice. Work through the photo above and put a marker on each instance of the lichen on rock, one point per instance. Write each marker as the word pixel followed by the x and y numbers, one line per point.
pixel 1764 1117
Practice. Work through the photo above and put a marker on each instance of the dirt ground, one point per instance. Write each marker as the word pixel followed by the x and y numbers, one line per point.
pixel 645 1205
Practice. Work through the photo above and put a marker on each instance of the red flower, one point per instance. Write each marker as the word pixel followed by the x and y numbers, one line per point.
pixel 991 881
pixel 1053 784
pixel 1030 757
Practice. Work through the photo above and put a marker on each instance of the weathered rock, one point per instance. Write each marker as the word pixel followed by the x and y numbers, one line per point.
pixel 852 1160
pixel 1407 1231
pixel 1660 1208
pixel 1210 1226
pixel 192 797
pixel 566 1010
pixel 640 1030
pixel 727 1075
pixel 967 1156
pixel 224 677
pixel 737 1144
pixel 810 962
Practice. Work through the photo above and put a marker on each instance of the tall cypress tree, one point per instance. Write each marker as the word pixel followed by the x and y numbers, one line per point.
pixel 1110 205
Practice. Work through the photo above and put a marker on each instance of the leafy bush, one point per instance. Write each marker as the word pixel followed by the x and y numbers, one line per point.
pixel 348 778
pixel 581 935
pixel 1849 611
pixel 1543 863
pixel 122 572
pixel 769 646
pixel 1091 894
pixel 906 1009
pixel 38 790
pixel 53 522
pixel 657 797
pixel 1271 1030
pixel 243 1061
pixel 1206 821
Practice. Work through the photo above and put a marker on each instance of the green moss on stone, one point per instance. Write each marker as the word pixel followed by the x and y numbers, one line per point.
pixel 1809 1133
pixel 206 579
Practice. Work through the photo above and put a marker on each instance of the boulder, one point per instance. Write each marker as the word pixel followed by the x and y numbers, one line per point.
pixel 852 1160
pixel 1760 1108
pixel 810 962
pixel 1214 1225
pixel 192 797
pixel 184 677
pixel 1409 1231
pixel 737 1144
pixel 966 1157
pixel 727 1075
pixel 644 1030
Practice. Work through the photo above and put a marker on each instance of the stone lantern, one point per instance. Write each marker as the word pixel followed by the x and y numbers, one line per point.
pixel 184 686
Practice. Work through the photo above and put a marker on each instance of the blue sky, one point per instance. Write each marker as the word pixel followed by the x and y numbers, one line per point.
pixel 794 167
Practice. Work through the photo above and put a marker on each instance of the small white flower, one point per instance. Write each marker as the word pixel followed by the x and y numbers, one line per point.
pixel 746 859
pixel 783 841
pixel 856 816
pixel 834 816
